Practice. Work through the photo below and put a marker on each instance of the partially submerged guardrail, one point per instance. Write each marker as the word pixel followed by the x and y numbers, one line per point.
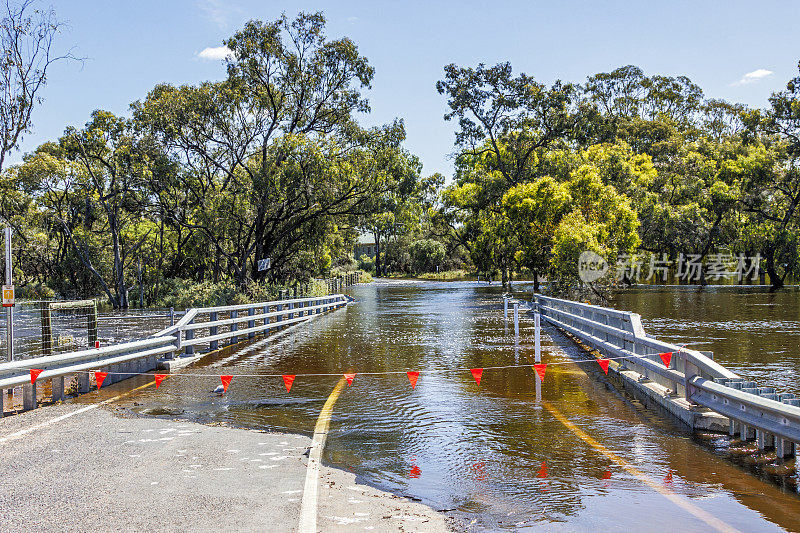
pixel 222 325
pixel 773 418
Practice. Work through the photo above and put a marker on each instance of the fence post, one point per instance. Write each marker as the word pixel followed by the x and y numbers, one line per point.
pixel 516 319
pixel 235 327
pixel 537 343
pixel 171 316
pixel 251 323
pixel 213 330
pixel 91 324
pixel 47 329
pixel 505 307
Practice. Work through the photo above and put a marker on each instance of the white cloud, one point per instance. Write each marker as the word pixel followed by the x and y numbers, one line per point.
pixel 217 53
pixel 752 77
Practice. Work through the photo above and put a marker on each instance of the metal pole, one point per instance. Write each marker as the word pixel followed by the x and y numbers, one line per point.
pixel 537 342
pixel 505 307
pixel 9 310
pixel 516 319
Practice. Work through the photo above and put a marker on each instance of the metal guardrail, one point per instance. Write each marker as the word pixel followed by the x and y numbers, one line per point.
pixel 142 355
pixel 774 418
pixel 271 315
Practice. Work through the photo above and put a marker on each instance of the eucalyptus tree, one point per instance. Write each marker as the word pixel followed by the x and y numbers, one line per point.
pixel 272 155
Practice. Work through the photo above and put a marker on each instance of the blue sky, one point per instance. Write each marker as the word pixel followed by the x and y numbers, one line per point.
pixel 131 46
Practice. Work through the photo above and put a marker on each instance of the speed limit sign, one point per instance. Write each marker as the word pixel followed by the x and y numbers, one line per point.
pixel 8 296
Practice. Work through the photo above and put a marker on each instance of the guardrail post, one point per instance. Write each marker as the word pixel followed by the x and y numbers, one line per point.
pixel 29 396
pixel 213 330
pixel 516 319
pixel 278 308
pixel 83 382
pixel 537 342
pixel 290 306
pixel 251 323
pixel 189 336
pixel 235 327
pixel 171 316
pixel 57 385
pixel 505 307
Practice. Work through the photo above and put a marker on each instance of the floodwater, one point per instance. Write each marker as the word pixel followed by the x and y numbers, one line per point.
pixel 569 454
pixel 755 334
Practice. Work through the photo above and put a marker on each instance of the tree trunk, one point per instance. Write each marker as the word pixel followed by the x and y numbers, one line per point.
pixel 776 282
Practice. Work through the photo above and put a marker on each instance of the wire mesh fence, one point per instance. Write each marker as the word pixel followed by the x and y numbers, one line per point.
pixel 48 327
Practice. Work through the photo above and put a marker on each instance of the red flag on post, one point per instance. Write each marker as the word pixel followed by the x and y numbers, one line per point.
pixel 288 379
pixel 603 364
pixel 477 373
pixel 412 377
pixel 159 378
pixel 99 377
pixel 540 369
pixel 349 377
pixel 226 380
pixel 35 374
pixel 666 357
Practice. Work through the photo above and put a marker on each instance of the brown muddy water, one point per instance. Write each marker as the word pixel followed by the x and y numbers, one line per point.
pixel 577 456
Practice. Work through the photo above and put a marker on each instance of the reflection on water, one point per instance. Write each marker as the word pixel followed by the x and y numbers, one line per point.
pixel 490 455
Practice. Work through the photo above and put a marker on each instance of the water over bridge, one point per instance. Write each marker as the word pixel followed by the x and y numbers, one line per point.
pixel 505 449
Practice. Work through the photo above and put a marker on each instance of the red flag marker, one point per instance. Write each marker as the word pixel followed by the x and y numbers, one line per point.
pixel 604 365
pixel 666 357
pixel 415 471
pixel 97 344
pixel 542 473
pixel 540 369
pixel 412 377
pixel 99 377
pixel 349 378
pixel 288 379
pixel 668 477
pixel 159 378
pixel 607 474
pixel 477 373
pixel 226 380
pixel 35 374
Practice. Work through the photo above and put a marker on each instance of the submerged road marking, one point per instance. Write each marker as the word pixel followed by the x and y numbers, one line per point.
pixel 308 506
pixel 697 512
pixel 52 421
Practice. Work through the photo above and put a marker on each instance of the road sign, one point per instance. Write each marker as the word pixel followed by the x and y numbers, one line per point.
pixel 264 264
pixel 8 296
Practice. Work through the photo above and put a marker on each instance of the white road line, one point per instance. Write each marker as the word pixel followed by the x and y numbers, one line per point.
pixel 57 419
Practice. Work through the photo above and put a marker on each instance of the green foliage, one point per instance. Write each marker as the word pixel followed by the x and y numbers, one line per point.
pixel 426 255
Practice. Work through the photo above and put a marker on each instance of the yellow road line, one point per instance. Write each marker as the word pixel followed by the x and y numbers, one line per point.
pixel 706 517
pixel 308 507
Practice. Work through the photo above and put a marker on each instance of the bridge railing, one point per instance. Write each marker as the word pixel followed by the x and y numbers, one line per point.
pixel 774 418
pixel 621 334
pixel 233 323
pixel 132 357
pixel 220 325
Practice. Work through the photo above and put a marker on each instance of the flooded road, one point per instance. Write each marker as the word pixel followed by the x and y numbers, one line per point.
pixel 577 456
